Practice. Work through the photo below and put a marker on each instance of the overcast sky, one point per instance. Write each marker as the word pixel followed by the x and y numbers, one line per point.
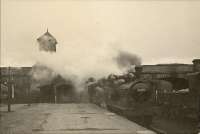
pixel 158 31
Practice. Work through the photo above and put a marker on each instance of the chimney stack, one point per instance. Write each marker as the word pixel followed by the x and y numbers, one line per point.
pixel 138 71
pixel 196 65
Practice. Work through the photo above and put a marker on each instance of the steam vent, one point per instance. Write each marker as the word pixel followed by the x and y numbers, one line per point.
pixel 47 42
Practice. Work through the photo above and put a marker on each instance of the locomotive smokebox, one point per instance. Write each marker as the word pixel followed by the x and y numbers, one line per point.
pixel 138 70
pixel 196 65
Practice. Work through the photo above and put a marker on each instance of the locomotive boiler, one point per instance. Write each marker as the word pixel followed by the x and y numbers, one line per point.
pixel 126 95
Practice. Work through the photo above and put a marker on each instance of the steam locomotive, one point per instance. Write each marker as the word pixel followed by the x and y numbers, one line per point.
pixel 135 98
pixel 141 98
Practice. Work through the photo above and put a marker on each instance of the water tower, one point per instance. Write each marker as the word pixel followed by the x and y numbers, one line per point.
pixel 47 42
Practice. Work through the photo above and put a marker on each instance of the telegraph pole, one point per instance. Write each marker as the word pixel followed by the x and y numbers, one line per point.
pixel 28 91
pixel 55 94
pixel 198 125
pixel 9 89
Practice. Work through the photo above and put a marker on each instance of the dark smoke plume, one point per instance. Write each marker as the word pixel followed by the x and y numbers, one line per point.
pixel 126 60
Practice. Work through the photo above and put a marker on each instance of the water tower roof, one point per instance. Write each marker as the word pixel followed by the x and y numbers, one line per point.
pixel 47 42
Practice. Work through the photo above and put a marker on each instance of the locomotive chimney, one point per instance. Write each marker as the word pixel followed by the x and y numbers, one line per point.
pixel 138 71
pixel 196 65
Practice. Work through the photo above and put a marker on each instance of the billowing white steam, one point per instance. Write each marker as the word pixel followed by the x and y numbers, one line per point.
pixel 77 62
pixel 42 74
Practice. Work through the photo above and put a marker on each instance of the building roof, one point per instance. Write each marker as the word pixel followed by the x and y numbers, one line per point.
pixel 168 68
pixel 15 71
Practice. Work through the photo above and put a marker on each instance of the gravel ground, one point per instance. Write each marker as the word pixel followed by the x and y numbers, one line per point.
pixel 64 119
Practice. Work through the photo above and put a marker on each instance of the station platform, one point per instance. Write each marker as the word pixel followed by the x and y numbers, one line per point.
pixel 65 119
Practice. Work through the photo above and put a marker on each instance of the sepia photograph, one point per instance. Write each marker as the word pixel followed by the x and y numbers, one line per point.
pixel 100 67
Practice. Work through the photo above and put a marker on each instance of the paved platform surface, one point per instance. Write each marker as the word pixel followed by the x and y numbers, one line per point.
pixel 65 119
